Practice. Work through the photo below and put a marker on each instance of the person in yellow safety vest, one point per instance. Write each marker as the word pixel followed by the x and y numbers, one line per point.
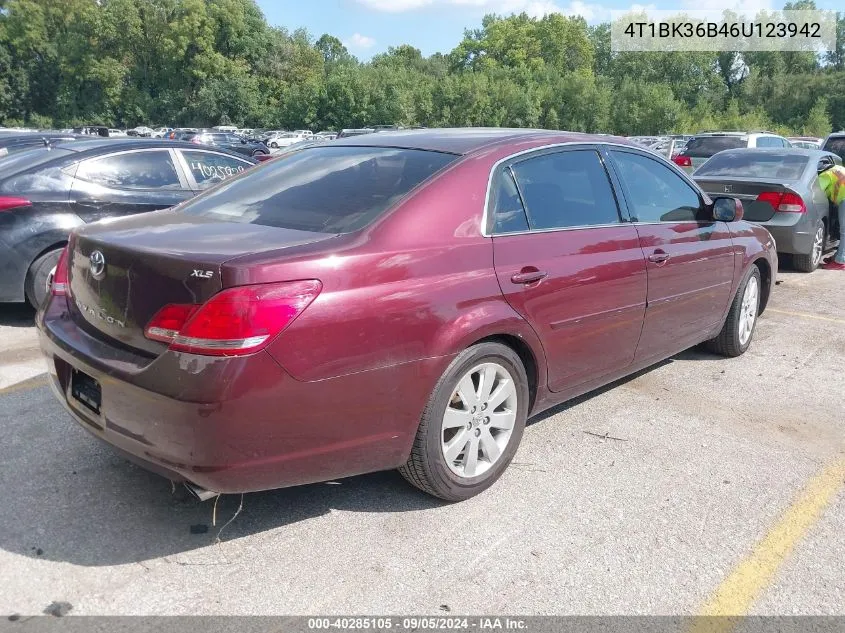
pixel 832 181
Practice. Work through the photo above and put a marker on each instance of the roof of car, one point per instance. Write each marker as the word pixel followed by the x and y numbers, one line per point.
pixel 125 142
pixel 795 151
pixel 468 140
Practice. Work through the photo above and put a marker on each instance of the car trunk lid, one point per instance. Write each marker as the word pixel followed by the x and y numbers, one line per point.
pixel 122 273
pixel 747 191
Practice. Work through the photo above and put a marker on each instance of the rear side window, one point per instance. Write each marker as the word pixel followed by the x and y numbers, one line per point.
pixel 769 141
pixel 27 171
pixel 706 146
pixel 508 212
pixel 753 164
pixel 322 189
pixel 133 170
pixel 209 169
pixel 836 145
pixel 655 192
pixel 566 189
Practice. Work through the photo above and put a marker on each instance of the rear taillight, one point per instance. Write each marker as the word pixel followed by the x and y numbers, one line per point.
pixel 12 202
pixel 682 161
pixel 59 285
pixel 262 157
pixel 786 202
pixel 196 140
pixel 233 322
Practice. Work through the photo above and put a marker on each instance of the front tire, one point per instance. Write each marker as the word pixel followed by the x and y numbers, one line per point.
pixel 738 330
pixel 809 262
pixel 35 284
pixel 472 424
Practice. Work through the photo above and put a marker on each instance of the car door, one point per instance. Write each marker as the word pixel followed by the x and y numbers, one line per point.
pixel 125 183
pixel 206 168
pixel 568 262
pixel 690 257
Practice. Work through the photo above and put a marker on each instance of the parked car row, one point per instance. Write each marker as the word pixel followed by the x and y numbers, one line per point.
pixel 47 190
pixel 404 300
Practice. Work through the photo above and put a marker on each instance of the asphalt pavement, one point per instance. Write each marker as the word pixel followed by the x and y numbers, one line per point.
pixel 718 487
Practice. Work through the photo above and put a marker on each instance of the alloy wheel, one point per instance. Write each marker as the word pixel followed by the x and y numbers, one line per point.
pixel 479 420
pixel 748 310
pixel 818 246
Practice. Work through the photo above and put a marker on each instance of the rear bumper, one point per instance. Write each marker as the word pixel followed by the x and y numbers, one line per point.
pixel 238 424
pixel 792 232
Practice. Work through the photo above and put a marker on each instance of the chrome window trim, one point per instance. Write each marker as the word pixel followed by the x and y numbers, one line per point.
pixel 485 216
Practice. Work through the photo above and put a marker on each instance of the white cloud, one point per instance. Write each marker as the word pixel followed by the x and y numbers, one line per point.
pixel 359 42
pixel 592 12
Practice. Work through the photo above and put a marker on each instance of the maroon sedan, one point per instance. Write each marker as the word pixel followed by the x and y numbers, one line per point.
pixel 401 300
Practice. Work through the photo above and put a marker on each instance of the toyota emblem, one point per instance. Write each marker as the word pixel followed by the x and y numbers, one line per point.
pixel 97 264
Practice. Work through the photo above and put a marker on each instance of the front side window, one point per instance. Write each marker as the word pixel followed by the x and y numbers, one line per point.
pixel 133 170
pixel 566 189
pixel 209 169
pixel 655 192
pixel 323 189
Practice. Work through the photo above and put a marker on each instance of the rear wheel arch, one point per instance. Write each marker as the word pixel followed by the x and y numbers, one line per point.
pixel 766 276
pixel 526 355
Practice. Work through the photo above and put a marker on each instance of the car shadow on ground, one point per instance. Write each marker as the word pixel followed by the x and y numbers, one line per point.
pixel 16 315
pixel 69 498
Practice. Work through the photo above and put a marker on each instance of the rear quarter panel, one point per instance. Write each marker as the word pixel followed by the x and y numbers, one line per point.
pixel 753 244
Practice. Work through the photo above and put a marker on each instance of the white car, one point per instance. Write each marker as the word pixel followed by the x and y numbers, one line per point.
pixel 141 130
pixel 161 132
pixel 116 132
pixel 284 139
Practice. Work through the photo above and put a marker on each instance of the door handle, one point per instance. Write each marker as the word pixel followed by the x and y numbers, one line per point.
pixel 529 277
pixel 658 257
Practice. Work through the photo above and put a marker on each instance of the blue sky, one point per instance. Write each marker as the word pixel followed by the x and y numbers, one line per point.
pixel 368 27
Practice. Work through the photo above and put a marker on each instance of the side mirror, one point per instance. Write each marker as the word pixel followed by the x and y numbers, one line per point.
pixel 824 165
pixel 728 209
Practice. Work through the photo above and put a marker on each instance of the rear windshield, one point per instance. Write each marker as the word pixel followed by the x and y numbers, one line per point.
pixel 18 161
pixel 322 189
pixel 836 145
pixel 706 146
pixel 755 165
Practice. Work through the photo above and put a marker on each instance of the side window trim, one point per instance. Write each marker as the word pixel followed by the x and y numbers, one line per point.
pixel 627 194
pixel 509 162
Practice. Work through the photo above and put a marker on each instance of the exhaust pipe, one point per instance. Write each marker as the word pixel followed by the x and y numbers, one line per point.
pixel 201 493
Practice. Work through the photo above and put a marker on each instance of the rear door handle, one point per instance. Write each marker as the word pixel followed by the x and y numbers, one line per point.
pixel 529 277
pixel 658 257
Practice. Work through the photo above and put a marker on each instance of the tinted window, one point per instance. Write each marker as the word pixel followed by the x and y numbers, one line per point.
pixel 209 169
pixel 325 189
pixel 566 189
pixel 655 192
pixel 29 158
pixel 706 146
pixel 836 145
pixel 135 170
pixel 752 164
pixel 508 212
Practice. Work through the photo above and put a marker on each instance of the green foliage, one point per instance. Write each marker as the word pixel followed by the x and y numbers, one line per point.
pixel 205 62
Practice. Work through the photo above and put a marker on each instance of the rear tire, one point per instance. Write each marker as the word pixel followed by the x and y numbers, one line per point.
pixel 479 428
pixel 737 332
pixel 35 284
pixel 809 262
